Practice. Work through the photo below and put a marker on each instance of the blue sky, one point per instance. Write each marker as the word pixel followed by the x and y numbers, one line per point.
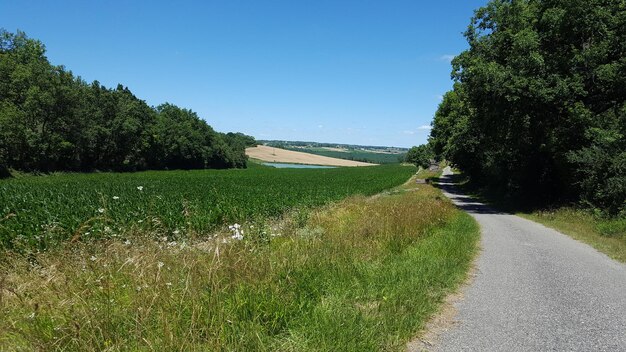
pixel 362 72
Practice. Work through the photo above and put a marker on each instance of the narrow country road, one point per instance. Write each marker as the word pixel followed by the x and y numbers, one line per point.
pixel 535 290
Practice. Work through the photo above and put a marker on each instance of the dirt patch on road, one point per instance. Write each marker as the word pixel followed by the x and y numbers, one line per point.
pixel 278 155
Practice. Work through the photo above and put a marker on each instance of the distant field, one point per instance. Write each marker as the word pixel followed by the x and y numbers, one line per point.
pixel 39 211
pixel 297 156
pixel 374 157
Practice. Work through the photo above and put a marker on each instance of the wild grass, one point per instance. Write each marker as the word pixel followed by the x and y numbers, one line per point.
pixel 426 174
pixel 608 235
pixel 363 274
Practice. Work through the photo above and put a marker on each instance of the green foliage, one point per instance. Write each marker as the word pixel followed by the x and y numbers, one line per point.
pixel 43 211
pixel 539 104
pixel 420 155
pixel 612 228
pixel 50 121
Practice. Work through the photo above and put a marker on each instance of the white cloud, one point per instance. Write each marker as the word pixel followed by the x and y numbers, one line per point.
pixel 447 57
pixel 320 126
pixel 439 97
pixel 424 127
pixel 408 132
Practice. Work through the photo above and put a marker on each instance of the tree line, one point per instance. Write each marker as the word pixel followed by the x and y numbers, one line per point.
pixel 51 120
pixel 538 106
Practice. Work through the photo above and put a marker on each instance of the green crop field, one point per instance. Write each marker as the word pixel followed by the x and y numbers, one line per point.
pixel 42 211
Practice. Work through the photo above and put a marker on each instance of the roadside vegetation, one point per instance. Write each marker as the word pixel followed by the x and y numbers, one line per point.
pixel 536 120
pixel 420 156
pixel 608 235
pixel 361 274
pixel 605 233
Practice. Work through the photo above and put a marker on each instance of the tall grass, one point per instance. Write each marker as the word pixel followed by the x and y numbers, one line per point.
pixel 361 275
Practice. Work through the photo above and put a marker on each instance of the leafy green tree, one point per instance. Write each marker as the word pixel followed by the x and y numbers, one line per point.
pixel 421 155
pixel 538 104
pixel 50 120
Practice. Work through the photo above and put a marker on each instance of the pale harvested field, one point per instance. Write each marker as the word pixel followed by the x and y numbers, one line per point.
pixel 336 149
pixel 278 155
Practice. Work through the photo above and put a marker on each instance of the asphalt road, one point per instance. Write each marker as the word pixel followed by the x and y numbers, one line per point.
pixel 536 290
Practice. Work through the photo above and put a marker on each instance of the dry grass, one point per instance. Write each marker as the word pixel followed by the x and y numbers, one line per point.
pixel 363 274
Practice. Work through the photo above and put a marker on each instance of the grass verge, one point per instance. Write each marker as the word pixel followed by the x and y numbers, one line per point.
pixel 606 235
pixel 363 274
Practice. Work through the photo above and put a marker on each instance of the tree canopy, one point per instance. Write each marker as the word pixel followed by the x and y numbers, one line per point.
pixel 538 105
pixel 53 121
pixel 420 155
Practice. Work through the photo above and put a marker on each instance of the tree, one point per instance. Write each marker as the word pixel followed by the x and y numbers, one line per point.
pixel 50 120
pixel 421 155
pixel 538 104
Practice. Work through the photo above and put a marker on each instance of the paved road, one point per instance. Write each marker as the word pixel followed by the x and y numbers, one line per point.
pixel 536 290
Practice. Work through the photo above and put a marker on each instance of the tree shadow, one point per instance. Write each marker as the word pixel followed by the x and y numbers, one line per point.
pixel 449 184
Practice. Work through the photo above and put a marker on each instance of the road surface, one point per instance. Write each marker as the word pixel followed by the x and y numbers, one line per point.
pixel 536 290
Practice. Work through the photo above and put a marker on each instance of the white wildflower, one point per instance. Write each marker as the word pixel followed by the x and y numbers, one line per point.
pixel 93 258
pixel 100 210
pixel 237 236
pixel 31 315
pixel 160 265
pixel 140 188
pixel 237 232
pixel 127 242
pixel 168 284
pixel 176 232
pixel 116 197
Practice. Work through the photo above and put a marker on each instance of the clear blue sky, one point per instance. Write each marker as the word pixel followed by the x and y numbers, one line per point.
pixel 362 72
